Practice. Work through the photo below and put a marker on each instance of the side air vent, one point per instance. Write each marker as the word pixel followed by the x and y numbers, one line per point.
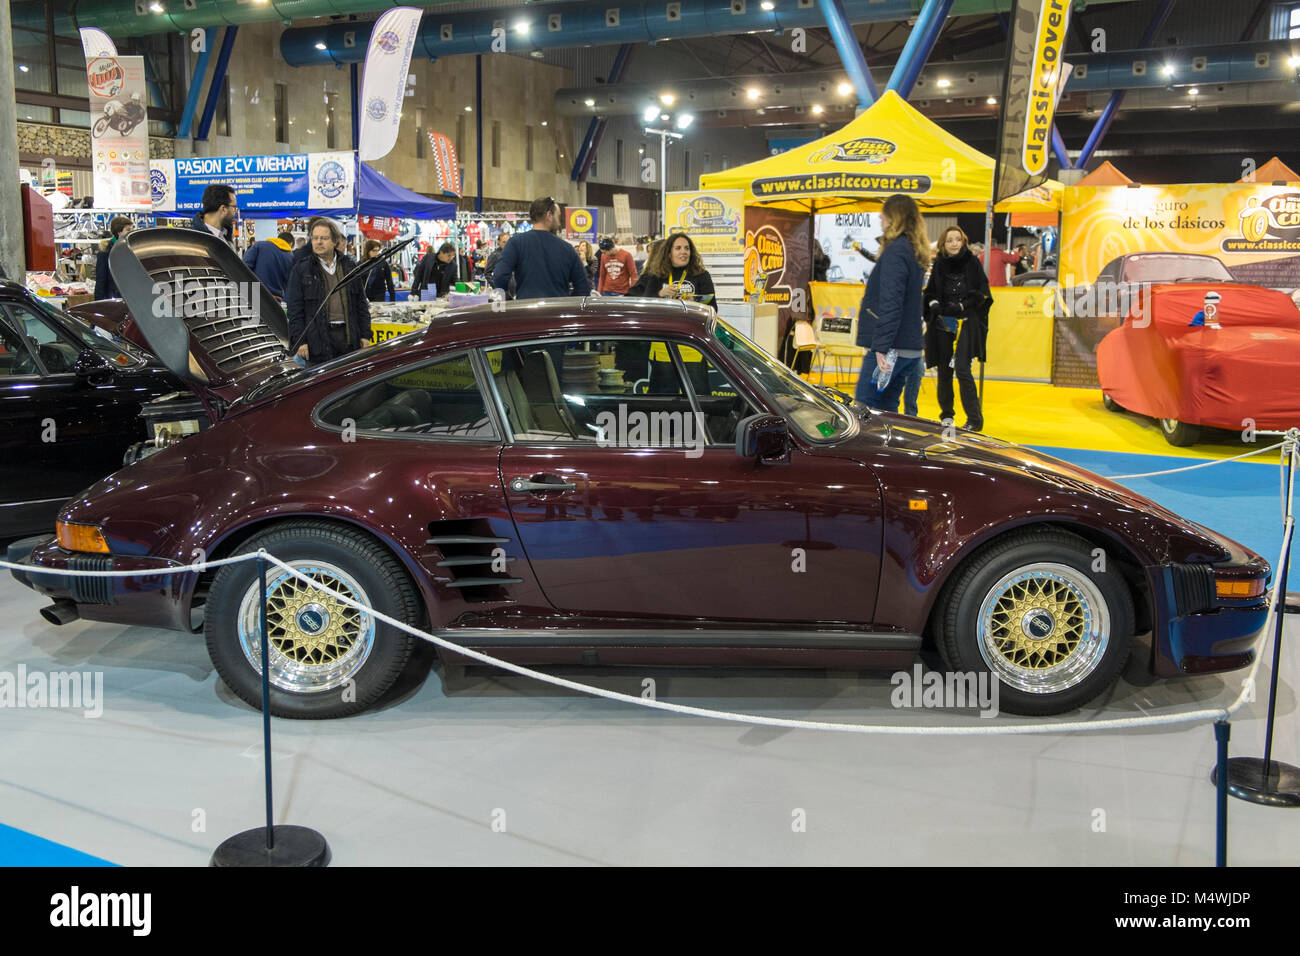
pixel 472 557
pixel 1193 587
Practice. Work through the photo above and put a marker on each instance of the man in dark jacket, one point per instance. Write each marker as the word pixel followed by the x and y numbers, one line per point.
pixel 105 287
pixel 436 269
pixel 343 326
pixel 218 214
pixel 271 260
pixel 542 263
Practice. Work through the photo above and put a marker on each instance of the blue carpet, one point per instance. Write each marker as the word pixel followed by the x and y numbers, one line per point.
pixel 1240 499
pixel 19 848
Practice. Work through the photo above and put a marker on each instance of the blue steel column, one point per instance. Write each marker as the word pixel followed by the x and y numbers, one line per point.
pixel 855 64
pixel 356 114
pixel 925 45
pixel 596 128
pixel 218 77
pixel 478 127
pixel 196 85
pixel 1058 147
pixel 1117 97
pixel 915 39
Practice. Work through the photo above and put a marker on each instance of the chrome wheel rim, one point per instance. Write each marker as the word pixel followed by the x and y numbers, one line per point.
pixel 1170 425
pixel 1043 628
pixel 317 643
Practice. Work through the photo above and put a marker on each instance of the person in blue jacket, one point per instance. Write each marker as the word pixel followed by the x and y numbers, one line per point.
pixel 543 264
pixel 890 315
pixel 271 261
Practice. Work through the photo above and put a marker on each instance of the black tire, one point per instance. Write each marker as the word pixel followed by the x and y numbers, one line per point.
pixel 985 619
pixel 101 125
pixel 1110 404
pixel 1179 433
pixel 355 661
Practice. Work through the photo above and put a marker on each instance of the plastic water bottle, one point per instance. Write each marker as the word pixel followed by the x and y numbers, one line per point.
pixel 880 376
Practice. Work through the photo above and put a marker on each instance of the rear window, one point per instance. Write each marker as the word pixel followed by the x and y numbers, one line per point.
pixel 439 400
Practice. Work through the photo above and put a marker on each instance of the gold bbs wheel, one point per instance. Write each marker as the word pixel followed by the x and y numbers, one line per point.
pixel 1043 628
pixel 317 642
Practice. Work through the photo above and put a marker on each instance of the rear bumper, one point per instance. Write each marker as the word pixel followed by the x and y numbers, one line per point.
pixel 149 600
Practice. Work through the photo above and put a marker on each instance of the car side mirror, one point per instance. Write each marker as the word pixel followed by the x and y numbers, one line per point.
pixel 765 438
pixel 92 368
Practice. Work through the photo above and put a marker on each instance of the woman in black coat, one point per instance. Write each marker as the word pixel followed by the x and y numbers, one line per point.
pixel 379 284
pixel 957 313
pixel 105 287
pixel 341 327
pixel 675 271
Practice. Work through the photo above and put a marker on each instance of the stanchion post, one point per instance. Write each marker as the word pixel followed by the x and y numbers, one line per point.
pixel 266 697
pixel 1222 731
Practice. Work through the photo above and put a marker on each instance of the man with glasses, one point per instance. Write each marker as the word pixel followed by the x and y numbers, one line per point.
pixel 218 214
pixel 542 264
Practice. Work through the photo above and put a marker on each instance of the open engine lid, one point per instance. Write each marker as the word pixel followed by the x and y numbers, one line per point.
pixel 203 312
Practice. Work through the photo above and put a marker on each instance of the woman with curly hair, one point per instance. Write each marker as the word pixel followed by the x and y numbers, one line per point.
pixel 675 271
pixel 889 319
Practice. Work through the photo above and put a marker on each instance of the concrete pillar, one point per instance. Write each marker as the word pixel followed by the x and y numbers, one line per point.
pixel 11 208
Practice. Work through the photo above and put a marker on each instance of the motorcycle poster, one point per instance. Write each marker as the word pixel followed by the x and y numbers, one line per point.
pixel 119 131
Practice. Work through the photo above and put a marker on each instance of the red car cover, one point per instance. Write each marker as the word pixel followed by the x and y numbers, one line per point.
pixel 1157 364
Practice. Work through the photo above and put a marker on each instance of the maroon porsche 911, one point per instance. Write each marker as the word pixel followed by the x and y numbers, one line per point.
pixel 617 482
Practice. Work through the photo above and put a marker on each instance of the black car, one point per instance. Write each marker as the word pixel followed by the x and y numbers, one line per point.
pixel 71 401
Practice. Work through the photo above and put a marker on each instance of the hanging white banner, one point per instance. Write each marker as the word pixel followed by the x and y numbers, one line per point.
pixel 119 131
pixel 383 86
pixel 96 43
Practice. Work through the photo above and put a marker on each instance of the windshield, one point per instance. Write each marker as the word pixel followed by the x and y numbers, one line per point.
pixel 114 350
pixel 809 411
pixel 1175 268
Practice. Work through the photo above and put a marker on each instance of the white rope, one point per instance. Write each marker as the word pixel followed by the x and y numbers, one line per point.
pixel 178 569
pixel 1204 464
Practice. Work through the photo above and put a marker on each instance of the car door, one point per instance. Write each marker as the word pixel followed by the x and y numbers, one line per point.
pixel 86 419
pixel 631 503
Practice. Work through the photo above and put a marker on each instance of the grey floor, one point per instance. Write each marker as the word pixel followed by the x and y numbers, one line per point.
pixel 502 770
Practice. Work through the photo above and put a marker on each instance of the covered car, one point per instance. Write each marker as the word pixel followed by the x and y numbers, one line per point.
pixel 1164 363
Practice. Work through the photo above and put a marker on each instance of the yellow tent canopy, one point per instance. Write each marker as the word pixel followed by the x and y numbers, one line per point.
pixel 890 148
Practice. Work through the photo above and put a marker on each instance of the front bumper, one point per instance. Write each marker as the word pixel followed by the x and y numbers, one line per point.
pixel 1197 633
pixel 150 599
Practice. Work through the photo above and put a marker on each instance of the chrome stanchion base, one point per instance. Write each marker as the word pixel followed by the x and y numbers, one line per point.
pixel 294 846
pixel 1246 782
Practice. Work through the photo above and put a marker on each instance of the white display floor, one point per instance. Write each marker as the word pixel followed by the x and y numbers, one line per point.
pixel 507 771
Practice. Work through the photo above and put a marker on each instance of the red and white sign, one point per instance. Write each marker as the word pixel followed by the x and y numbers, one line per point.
pixel 379 227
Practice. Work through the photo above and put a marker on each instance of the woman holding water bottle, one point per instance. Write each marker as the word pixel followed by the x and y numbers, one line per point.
pixel 889 319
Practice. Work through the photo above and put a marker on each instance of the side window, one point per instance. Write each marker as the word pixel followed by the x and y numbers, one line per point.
pixel 56 354
pixel 720 403
pixel 15 358
pixel 586 391
pixel 441 400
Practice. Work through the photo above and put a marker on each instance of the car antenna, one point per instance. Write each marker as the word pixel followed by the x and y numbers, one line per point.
pixel 361 268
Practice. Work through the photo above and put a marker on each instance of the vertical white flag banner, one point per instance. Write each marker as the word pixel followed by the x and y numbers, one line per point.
pixel 119 131
pixel 383 86
pixel 96 43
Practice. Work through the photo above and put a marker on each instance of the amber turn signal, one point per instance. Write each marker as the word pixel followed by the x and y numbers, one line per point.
pixel 1237 589
pixel 80 537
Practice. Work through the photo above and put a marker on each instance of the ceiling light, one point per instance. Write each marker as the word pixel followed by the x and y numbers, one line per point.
pixel 522 26
pixel 992 101
pixel 768 5
pixel 752 92
pixel 667 99
pixel 156 7
pixel 664 117
pixel 944 84
pixel 650 113
pixel 1194 91
pixel 684 120
pixel 24 67
pixel 543 122
pixel 1167 69
pixel 469 109
pixel 817 109
pixel 844 89
pixel 589 102
pixel 320 46
pixel 1293 61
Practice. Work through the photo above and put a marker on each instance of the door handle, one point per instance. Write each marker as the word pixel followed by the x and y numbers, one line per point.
pixel 528 486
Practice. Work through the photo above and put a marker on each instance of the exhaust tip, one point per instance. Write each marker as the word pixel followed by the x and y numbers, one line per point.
pixel 60 612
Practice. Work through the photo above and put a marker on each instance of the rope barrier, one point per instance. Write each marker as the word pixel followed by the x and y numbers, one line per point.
pixel 1056 727
pixel 1204 464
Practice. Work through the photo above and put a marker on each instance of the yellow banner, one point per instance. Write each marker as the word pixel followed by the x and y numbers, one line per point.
pixel 1053 18
pixel 1252 230
pixel 1020 333
pixel 714 220
pixel 383 331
